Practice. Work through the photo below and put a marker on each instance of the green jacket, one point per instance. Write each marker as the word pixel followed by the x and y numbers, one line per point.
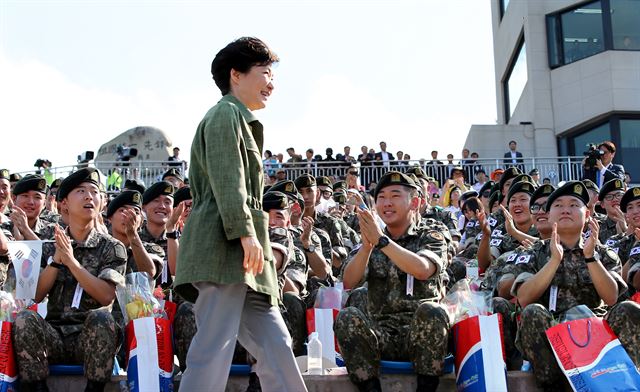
pixel 226 179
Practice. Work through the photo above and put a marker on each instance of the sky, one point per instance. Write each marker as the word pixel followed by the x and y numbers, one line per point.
pixel 75 74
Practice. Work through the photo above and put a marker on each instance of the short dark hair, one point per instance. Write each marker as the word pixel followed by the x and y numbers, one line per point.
pixel 241 55
pixel 176 148
pixel 609 145
pixel 310 150
pixel 513 141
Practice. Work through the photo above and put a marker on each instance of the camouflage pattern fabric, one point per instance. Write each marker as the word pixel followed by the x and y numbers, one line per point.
pixel 575 286
pixel 624 319
pixel 607 230
pixel 294 314
pixel 363 342
pixel 509 330
pixel 38 344
pixel 184 329
pixel 444 216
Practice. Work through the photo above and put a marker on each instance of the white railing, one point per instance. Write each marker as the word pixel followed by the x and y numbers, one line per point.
pixel 555 168
pixel 148 171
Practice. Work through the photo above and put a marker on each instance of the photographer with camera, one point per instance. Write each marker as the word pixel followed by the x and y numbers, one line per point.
pixel 597 164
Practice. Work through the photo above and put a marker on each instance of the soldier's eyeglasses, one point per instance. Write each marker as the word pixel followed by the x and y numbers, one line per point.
pixel 612 196
pixel 535 208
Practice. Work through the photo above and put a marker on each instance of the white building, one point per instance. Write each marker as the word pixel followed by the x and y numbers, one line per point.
pixel 567 73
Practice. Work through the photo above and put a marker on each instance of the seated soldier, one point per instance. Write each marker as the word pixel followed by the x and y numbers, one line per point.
pixel 565 272
pixel 404 270
pixel 627 246
pixel 5 195
pixel 80 274
pixel 609 197
pixel 28 203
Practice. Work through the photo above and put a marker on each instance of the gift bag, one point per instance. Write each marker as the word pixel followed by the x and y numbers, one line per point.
pixel 591 356
pixel 321 321
pixel 150 355
pixel 8 366
pixel 479 354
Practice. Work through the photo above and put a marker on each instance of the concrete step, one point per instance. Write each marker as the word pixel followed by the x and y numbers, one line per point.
pixel 517 381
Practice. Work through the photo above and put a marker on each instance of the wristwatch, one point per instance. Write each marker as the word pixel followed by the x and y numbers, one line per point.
pixel 310 249
pixel 382 242
pixel 592 259
pixel 172 234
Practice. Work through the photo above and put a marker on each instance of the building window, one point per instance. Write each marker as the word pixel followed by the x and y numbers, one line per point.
pixel 622 129
pixel 595 135
pixel 625 24
pixel 591 28
pixel 515 80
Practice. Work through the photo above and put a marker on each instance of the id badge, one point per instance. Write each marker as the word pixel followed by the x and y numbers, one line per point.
pixel 410 285
pixel 77 296
pixel 553 297
pixel 165 271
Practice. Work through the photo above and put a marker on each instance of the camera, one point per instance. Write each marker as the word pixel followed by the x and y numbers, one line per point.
pixel 40 163
pixel 126 153
pixel 593 155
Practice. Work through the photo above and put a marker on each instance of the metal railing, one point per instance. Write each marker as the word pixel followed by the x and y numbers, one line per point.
pixel 555 168
pixel 146 171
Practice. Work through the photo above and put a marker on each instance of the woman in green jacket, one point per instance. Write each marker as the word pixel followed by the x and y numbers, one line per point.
pixel 225 263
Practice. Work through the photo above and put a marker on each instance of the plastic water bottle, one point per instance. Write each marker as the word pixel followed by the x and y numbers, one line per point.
pixel 314 355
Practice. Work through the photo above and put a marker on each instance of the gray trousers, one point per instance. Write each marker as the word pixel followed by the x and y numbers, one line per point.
pixel 226 313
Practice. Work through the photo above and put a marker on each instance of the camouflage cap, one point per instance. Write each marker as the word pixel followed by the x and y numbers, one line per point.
pixel 629 196
pixel 610 186
pixel 30 182
pixel 486 187
pixel 157 189
pixel 418 172
pixel 56 183
pixel 323 181
pixel 88 174
pixel 181 195
pixel 173 173
pixel 274 200
pixel 15 177
pixel 340 185
pixel 508 174
pixel 305 181
pixel 393 178
pixel 591 186
pixel 4 173
pixel 495 197
pixel 134 185
pixel 571 188
pixel 542 191
pixel 287 187
pixel 125 198
pixel 522 177
pixel 521 187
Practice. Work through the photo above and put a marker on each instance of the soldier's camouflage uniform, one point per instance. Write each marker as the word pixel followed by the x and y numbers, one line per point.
pixel 88 334
pixel 441 215
pixel 351 219
pixel 501 242
pixel 607 230
pixel 398 326
pixel 575 287
pixel 330 226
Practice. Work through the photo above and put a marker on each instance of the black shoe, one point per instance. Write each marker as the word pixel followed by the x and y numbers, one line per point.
pixel 95 386
pixel 254 383
pixel 370 385
pixel 427 383
pixel 35 386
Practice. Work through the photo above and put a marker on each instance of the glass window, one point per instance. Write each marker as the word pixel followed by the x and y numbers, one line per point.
pixel 516 80
pixel 630 147
pixel 596 136
pixel 582 32
pixel 503 6
pixel 625 24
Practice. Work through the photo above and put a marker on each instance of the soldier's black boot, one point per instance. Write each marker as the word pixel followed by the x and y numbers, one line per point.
pixel 95 386
pixel 254 383
pixel 427 383
pixel 370 385
pixel 35 386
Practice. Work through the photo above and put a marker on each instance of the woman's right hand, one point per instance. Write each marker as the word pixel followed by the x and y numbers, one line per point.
pixel 253 261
